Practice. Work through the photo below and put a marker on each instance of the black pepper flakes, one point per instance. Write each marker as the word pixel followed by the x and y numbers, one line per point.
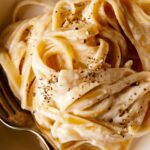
pixel 123 136
pixel 109 108
pixel 121 124
pixel 122 113
pixel 110 120
pixel 82 72
pixel 134 84
pixel 84 41
pixel 49 81
pixel 34 94
pixel 76 28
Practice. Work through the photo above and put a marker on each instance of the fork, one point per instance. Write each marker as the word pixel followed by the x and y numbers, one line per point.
pixel 16 118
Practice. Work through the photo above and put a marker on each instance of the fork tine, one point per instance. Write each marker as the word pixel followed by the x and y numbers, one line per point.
pixel 9 97
pixel 5 108
pixel 3 113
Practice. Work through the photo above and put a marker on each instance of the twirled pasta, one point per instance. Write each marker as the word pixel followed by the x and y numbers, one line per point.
pixel 83 70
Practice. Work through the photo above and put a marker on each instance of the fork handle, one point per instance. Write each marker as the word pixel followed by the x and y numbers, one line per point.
pixel 46 142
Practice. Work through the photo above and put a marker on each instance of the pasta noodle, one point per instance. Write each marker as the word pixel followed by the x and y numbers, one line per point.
pixel 82 70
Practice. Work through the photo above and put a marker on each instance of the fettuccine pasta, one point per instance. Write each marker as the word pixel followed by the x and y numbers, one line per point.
pixel 82 69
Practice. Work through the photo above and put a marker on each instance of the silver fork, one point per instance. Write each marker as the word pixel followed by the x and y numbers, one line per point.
pixel 14 117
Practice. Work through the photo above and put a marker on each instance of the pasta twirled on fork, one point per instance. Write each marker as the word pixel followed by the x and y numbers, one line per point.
pixel 83 70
